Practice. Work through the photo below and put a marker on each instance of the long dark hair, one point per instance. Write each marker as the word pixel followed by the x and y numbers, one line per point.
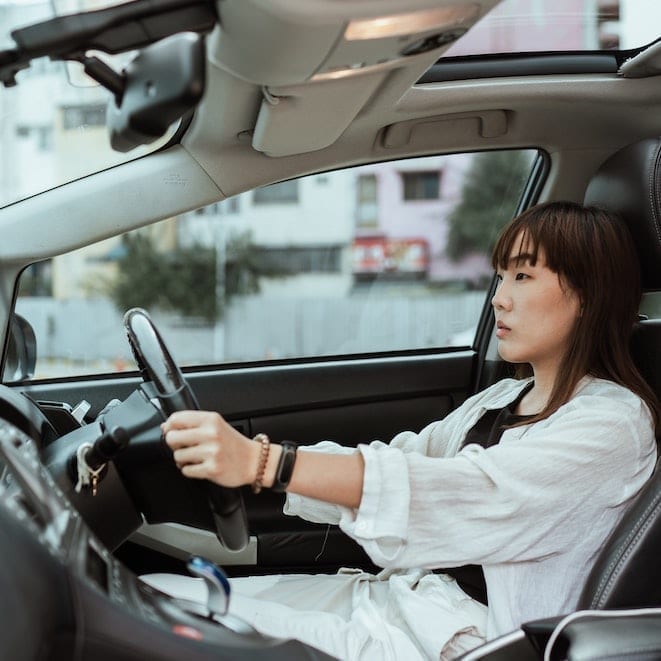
pixel 593 254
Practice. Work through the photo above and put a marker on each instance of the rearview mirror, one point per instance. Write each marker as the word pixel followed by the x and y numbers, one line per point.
pixel 162 83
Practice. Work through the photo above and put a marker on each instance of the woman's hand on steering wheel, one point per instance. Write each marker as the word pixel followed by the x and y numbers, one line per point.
pixel 174 394
pixel 206 446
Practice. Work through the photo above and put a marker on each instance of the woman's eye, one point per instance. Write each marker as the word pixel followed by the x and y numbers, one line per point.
pixel 521 276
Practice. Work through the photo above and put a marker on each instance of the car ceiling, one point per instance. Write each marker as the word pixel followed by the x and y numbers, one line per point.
pixel 268 95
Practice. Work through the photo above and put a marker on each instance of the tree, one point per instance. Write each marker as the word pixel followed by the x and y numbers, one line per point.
pixel 183 279
pixel 489 196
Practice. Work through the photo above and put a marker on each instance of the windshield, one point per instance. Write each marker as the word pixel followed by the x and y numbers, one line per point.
pixel 53 121
pixel 525 26
pixel 52 124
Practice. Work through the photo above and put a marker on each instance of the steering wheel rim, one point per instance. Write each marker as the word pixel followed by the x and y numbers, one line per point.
pixel 157 367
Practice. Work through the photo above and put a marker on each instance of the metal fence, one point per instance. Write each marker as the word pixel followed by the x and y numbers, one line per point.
pixel 87 336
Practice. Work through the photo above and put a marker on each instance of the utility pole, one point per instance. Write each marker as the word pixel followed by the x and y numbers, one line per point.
pixel 219 324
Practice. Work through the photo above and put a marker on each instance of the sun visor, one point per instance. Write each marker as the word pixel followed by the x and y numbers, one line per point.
pixel 303 118
pixel 320 61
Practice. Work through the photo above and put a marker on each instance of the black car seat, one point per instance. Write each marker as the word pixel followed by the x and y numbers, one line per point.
pixel 627 572
pixel 629 183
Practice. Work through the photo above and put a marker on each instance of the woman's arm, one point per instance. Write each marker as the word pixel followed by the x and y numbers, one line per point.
pixel 333 478
pixel 205 446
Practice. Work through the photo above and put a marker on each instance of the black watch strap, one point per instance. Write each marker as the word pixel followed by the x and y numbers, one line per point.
pixel 285 467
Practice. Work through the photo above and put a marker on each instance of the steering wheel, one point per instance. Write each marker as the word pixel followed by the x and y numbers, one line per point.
pixel 174 394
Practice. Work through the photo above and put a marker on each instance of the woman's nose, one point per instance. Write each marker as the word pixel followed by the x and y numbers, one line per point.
pixel 501 300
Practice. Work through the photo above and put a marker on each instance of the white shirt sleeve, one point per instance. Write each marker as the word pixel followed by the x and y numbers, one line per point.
pixel 524 499
pixel 432 440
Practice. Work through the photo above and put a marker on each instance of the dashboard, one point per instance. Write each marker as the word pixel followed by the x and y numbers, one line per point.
pixel 66 596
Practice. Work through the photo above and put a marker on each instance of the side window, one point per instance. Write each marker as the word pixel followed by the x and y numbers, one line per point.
pixel 650 306
pixel 377 258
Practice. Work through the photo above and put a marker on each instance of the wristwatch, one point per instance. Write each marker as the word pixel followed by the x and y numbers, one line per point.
pixel 285 467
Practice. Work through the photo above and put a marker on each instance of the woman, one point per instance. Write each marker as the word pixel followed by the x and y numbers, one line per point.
pixel 526 478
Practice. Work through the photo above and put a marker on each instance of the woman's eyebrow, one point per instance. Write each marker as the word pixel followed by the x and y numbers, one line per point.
pixel 521 257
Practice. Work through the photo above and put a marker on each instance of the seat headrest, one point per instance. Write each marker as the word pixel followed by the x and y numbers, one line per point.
pixel 629 183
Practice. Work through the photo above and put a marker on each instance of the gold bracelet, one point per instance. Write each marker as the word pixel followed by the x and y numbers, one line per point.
pixel 263 459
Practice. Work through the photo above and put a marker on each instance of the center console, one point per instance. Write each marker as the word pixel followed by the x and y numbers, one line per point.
pixel 66 596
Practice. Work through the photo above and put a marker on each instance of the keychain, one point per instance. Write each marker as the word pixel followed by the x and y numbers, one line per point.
pixel 86 475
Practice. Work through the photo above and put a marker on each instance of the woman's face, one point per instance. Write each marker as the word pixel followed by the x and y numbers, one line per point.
pixel 535 313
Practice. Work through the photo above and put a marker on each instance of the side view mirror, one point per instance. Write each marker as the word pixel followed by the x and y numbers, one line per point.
pixel 21 357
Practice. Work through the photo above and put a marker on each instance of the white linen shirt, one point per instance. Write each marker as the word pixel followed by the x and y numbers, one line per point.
pixel 533 510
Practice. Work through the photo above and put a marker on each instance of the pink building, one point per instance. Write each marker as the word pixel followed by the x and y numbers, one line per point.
pixel 406 204
pixel 401 227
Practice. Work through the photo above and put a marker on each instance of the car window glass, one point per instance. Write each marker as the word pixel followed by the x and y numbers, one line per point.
pixel 650 305
pixel 377 258
pixel 53 115
pixel 528 26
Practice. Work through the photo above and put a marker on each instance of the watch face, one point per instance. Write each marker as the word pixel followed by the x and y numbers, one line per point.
pixel 285 466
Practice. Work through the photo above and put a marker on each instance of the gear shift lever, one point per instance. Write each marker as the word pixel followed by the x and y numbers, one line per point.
pixel 216 581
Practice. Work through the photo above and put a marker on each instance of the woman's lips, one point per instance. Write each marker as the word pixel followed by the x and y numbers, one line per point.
pixel 502 330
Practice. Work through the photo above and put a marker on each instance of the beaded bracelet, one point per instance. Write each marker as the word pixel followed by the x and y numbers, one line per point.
pixel 263 459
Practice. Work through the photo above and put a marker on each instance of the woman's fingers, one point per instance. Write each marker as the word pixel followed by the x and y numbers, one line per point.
pixel 182 438
pixel 195 471
pixel 197 440
pixel 205 446
pixel 185 428
pixel 206 457
pixel 189 455
pixel 189 419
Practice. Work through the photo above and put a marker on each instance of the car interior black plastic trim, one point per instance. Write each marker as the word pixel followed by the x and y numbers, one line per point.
pixel 530 64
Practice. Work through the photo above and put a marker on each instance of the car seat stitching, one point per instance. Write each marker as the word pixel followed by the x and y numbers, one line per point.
pixel 614 567
pixel 639 527
pixel 654 189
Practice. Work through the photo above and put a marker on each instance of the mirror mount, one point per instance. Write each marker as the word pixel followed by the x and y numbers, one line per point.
pixel 104 75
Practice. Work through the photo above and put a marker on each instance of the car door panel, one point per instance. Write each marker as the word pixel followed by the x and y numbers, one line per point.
pixel 348 401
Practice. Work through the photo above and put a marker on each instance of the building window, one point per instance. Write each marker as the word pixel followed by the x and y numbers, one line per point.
pixel 608 16
pixel 422 185
pixel 41 135
pixel 292 260
pixel 37 280
pixel 283 193
pixel 74 117
pixel 45 138
pixel 222 208
pixel 367 210
pixel 229 206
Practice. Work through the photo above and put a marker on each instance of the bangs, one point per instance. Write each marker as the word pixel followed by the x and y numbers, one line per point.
pixel 561 230
pixel 519 242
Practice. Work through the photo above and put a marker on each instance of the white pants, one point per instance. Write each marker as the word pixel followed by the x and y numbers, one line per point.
pixel 353 615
